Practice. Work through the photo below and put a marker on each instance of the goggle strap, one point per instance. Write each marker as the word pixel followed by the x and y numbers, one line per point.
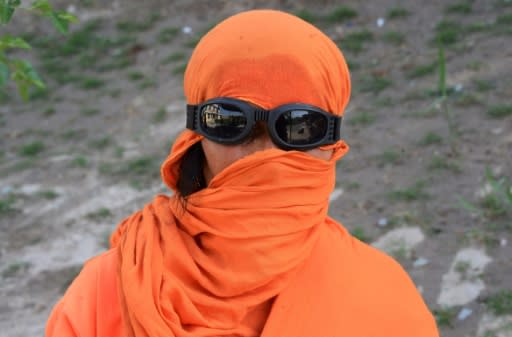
pixel 337 128
pixel 191 117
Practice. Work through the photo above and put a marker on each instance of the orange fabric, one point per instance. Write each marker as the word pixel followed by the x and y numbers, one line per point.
pixel 254 253
pixel 268 58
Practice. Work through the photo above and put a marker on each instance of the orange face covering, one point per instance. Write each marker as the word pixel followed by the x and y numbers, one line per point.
pixel 215 266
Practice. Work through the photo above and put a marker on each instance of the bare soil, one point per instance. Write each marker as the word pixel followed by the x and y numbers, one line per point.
pixel 78 158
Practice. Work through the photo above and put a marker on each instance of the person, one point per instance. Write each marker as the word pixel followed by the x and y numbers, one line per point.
pixel 244 247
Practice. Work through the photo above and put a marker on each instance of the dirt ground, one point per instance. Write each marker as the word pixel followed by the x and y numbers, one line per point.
pixel 426 178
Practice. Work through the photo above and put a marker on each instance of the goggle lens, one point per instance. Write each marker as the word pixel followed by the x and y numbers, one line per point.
pixel 301 127
pixel 222 120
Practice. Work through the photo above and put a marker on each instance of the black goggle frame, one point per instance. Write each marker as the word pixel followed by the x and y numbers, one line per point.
pixel 254 114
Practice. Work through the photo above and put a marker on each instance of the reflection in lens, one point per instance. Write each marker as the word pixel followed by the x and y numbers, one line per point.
pixel 222 121
pixel 300 127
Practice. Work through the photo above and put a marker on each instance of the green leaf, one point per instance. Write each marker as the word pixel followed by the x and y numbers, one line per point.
pixel 13 42
pixel 7 8
pixel 25 77
pixel 61 25
pixel 4 73
pixel 42 6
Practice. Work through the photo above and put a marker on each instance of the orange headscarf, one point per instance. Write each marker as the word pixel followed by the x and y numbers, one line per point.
pixel 254 253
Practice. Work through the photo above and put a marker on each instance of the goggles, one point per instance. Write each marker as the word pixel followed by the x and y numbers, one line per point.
pixel 291 126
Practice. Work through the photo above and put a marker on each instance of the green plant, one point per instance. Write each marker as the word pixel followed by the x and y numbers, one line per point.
pixel 430 138
pixel 500 303
pixel 90 83
pixel 363 118
pixel 14 268
pixel 442 163
pixel 395 38
pixel 18 70
pixel 48 194
pixel 447 33
pixel 32 149
pixel 6 204
pixel 359 233
pixel 88 112
pixel 341 14
pixel 422 70
pixel 499 111
pixel 135 75
pixel 444 316
pixel 374 84
pixel 173 57
pixel 411 193
pixel 99 214
pixel 166 35
pixel 497 203
pixel 390 157
pixel 355 41
pixel 397 12
pixel 179 69
pixel 483 85
pixel 79 161
pixel 159 116
pixel 306 15
pixel 100 143
pixel 459 8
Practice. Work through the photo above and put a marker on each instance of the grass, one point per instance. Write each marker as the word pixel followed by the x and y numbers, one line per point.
pixel 48 194
pixel 363 119
pixel 445 316
pixel 138 26
pixel 306 15
pixel 447 33
pixel 500 111
pixel 73 134
pixel 483 85
pixel 430 138
pixel 14 268
pixel 7 205
pixel 441 163
pixel 173 57
pixel 88 112
pixel 500 303
pixel 179 69
pixel 99 214
pixel 389 157
pixel 459 8
pixel 397 13
pixel 355 41
pixel 467 99
pixel 142 167
pixel 80 161
pixel 412 193
pixel 49 111
pixel 135 75
pixel 374 84
pixel 32 149
pixel 159 116
pixel 341 14
pixel 422 70
pixel 91 83
pixel 505 19
pixel 393 37
pixel 168 34
pixel 100 143
pixel 359 233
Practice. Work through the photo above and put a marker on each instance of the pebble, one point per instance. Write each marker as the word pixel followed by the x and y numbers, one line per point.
pixel 503 242
pixel 420 262
pixel 382 222
pixel 464 313
pixel 6 190
pixel 458 87
pixel 71 9
pixel 380 22
pixel 187 30
pixel 335 194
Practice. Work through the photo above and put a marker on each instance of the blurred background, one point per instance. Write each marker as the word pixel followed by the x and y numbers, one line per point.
pixel 428 178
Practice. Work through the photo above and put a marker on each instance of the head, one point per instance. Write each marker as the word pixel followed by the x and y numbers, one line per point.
pixel 267 59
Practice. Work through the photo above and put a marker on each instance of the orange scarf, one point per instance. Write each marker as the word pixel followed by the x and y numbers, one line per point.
pixel 214 267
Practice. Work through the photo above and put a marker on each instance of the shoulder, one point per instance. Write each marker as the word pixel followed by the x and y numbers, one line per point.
pixel 378 287
pixel 93 293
